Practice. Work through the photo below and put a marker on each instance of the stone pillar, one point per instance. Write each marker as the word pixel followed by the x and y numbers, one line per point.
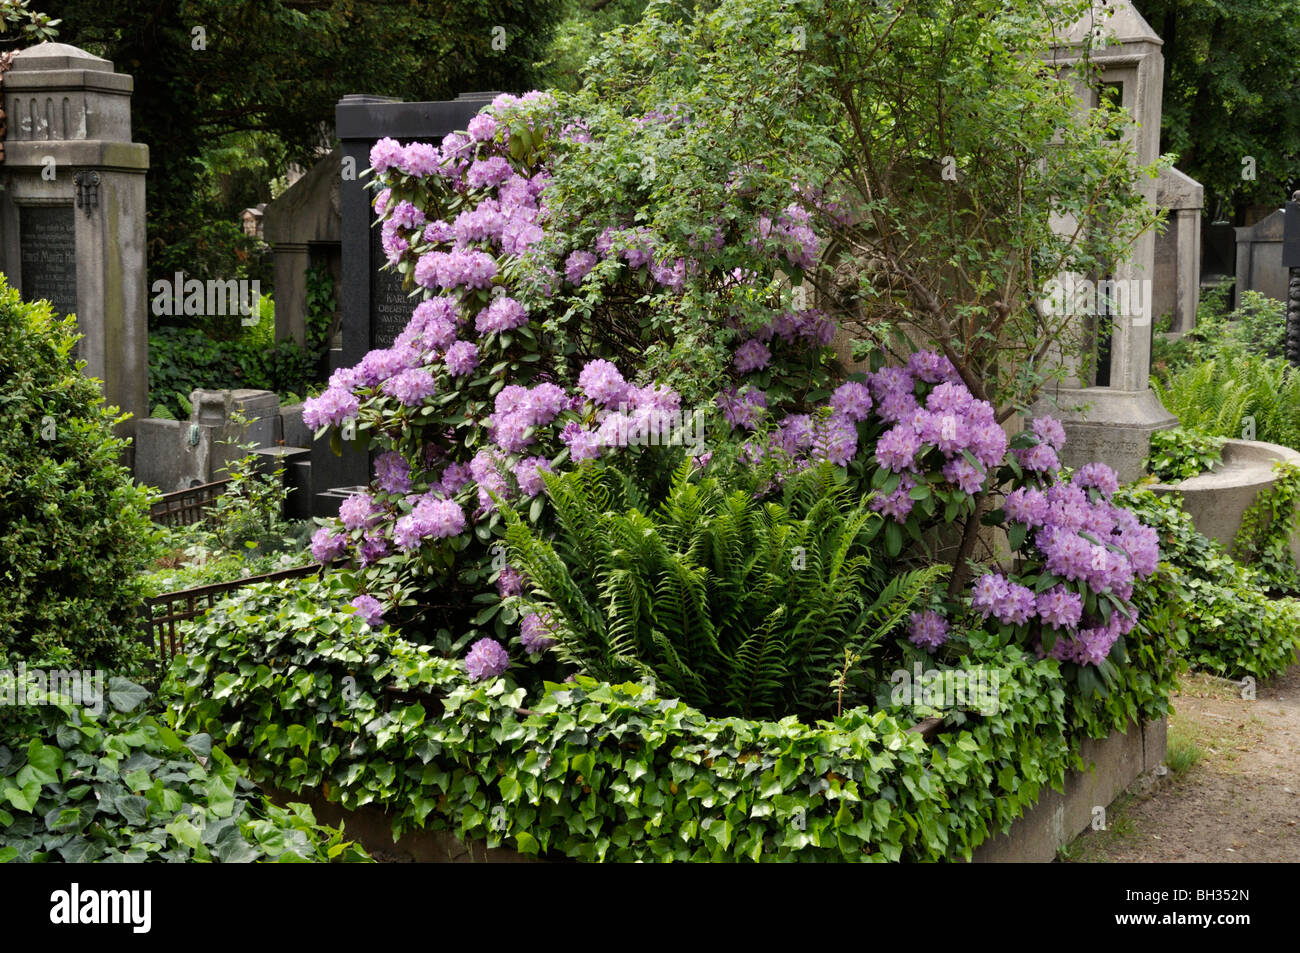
pixel 1113 422
pixel 1176 288
pixel 72 213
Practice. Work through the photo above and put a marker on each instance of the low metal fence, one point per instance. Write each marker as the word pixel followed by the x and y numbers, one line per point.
pixel 164 615
pixel 184 507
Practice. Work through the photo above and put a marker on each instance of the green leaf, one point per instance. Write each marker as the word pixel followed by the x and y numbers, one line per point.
pixel 125 695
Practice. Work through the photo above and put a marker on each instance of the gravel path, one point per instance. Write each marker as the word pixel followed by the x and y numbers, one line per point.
pixel 1233 789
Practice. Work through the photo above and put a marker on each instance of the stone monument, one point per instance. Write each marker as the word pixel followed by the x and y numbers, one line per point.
pixel 1111 414
pixel 1176 288
pixel 72 210
pixel 303 226
pixel 1259 258
pixel 374 306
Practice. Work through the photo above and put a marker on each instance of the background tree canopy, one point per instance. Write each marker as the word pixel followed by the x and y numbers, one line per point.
pixel 227 94
pixel 1230 93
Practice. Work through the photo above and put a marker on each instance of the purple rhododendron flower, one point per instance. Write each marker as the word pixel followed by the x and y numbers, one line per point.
pixel 385 154
pixel 989 592
pixel 1060 608
pixel 1099 476
pixel 529 477
pixel 503 314
pixel 420 159
pixel 482 127
pixel 853 400
pixel 1018 607
pixel 485 173
pixel 896 505
pixel 510 582
pixel 411 386
pixel 967 477
pixel 743 410
pixel 392 472
pixel 486 659
pixel 461 358
pixel 1049 431
pixel 897 448
pixel 358 510
pixel 927 629
pixel 369 608
pixel 1040 458
pixel 753 355
pixel 432 517
pixel 835 440
pixel 578 265
pixel 535 631
pixel 1026 505
pixel 327 545
pixel 601 381
pixel 331 408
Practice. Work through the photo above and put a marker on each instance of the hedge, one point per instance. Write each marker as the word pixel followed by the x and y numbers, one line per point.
pixel 594 771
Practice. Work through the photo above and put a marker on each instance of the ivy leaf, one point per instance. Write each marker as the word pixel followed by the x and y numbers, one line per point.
pixel 125 695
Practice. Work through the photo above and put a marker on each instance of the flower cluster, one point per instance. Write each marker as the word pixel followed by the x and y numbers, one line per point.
pixel 1080 542
pixel 486 659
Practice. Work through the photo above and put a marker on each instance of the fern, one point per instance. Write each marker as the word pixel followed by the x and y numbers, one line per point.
pixel 1222 396
pixel 738 606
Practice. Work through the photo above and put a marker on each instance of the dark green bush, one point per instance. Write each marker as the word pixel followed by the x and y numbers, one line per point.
pixel 1231 624
pixel 74 529
pixel 1181 454
pixel 298 685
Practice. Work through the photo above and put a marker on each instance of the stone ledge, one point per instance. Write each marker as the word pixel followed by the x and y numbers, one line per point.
pixel 1116 762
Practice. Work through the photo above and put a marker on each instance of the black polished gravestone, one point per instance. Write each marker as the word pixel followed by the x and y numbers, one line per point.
pixel 374 306
pixel 375 309
pixel 47 239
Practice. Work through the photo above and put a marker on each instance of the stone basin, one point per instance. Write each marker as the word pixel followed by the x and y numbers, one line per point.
pixel 1218 500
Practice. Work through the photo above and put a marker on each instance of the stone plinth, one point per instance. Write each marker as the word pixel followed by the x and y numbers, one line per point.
pixel 72 212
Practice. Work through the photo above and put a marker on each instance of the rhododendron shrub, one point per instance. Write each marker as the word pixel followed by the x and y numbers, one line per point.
pixel 918 438
pixel 524 352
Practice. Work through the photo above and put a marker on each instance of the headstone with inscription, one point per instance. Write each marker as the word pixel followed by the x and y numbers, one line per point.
pixel 374 306
pixel 72 210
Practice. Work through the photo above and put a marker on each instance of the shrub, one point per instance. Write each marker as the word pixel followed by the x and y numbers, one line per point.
pixel 1181 454
pixel 1232 626
pixel 733 605
pixel 595 771
pixel 1236 395
pixel 74 529
pixel 121 786
pixel 1267 527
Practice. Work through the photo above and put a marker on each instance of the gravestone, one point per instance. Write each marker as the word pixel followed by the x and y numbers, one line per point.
pixel 72 210
pixel 374 306
pixel 1110 414
pixel 303 227
pixel 1259 258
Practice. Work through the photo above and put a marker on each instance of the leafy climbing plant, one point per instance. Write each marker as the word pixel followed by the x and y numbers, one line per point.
pixel 1264 539
pixel 734 605
pixel 1180 454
